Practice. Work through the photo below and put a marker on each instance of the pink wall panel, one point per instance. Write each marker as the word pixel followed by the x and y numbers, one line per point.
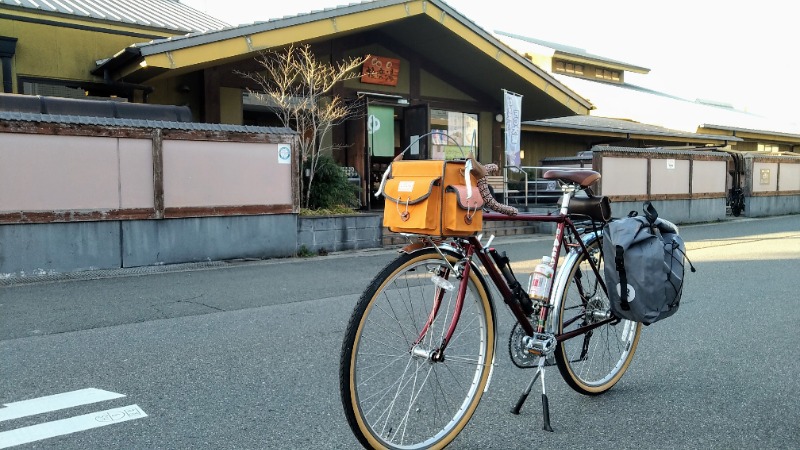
pixel 51 173
pixel 709 177
pixel 790 177
pixel 669 176
pixel 765 177
pixel 624 176
pixel 203 173
pixel 136 173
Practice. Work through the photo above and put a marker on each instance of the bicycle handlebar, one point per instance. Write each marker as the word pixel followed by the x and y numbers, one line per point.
pixel 480 171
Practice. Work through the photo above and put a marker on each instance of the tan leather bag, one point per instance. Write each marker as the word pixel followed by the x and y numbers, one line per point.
pixel 431 197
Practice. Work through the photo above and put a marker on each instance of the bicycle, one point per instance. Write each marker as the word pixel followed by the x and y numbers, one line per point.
pixel 420 346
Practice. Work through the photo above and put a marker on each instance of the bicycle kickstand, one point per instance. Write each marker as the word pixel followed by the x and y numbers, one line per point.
pixel 545 404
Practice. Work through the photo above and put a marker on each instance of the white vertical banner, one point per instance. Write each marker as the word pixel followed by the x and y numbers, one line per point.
pixel 513 117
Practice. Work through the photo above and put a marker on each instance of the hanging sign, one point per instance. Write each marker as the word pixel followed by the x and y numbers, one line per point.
pixel 380 70
pixel 513 107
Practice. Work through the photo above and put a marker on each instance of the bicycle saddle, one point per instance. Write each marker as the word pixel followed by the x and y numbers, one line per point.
pixel 584 178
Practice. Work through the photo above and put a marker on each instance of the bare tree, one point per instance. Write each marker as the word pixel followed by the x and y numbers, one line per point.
pixel 298 87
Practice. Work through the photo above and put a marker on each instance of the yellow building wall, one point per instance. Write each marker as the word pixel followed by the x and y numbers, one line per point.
pixel 230 105
pixel 63 53
pixel 432 86
pixel 183 90
pixel 485 127
pixel 538 146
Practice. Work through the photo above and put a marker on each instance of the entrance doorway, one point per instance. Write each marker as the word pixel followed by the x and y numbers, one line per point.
pixel 390 129
pixel 387 129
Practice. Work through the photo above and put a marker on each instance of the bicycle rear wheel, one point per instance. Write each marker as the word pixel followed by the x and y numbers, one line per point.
pixel 593 362
pixel 395 393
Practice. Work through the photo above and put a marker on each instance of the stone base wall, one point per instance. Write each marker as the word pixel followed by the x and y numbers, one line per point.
pixel 771 206
pixel 337 233
pixel 39 249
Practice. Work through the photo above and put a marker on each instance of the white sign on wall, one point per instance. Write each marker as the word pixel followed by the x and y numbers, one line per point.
pixel 284 154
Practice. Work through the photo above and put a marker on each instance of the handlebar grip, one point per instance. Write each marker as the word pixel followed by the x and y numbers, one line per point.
pixel 491 203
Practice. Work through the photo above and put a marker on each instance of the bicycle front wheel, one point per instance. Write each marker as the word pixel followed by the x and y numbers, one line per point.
pixel 592 362
pixel 397 392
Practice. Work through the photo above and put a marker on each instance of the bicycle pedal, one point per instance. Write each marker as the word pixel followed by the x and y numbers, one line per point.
pixel 540 343
pixel 521 355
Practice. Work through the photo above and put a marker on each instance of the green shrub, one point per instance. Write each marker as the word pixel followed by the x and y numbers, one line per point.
pixel 304 252
pixel 330 188
pixel 334 211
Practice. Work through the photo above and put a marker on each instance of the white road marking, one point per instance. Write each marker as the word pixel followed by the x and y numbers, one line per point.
pixel 85 422
pixel 55 402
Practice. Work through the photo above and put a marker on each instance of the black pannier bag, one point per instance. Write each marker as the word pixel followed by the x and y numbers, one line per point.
pixel 647 255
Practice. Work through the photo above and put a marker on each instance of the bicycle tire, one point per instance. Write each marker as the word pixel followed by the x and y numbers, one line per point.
pixel 592 363
pixel 393 397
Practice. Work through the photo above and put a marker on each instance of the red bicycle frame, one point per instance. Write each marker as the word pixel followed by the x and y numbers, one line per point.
pixel 474 247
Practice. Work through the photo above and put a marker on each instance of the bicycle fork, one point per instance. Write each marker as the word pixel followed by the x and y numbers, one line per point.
pixel 443 285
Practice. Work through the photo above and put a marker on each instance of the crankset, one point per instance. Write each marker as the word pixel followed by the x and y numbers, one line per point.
pixel 520 355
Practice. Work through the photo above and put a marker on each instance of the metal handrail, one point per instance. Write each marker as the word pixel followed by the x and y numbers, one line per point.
pixel 524 170
pixel 505 183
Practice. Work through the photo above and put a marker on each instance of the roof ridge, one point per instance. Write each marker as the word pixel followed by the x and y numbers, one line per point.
pixel 138 123
pixel 168 15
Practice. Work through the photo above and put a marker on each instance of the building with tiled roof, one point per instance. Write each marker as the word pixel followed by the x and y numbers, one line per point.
pixel 169 15
pixel 451 73
pixel 602 82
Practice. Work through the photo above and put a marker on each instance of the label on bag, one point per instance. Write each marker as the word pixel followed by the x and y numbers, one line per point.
pixel 405 186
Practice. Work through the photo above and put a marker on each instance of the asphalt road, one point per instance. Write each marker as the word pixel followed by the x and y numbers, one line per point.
pixel 244 355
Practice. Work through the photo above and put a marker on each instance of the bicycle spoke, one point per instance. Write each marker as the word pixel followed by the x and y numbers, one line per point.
pixel 596 361
pixel 406 396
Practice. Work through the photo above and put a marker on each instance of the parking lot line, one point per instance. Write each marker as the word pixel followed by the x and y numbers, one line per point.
pixel 61 427
pixel 55 402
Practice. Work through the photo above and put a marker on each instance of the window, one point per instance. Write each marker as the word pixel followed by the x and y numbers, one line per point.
pixel 63 89
pixel 461 134
pixel 52 90
pixel 768 148
pixel 605 74
pixel 566 67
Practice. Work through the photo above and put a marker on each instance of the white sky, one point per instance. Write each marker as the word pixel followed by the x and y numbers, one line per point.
pixel 741 52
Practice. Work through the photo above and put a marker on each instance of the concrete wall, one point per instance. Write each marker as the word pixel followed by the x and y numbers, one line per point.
pixel 60 173
pixel 196 239
pixel 79 197
pixel 772 185
pixel 340 233
pixel 38 249
pixel 771 206
pixel 684 186
pixel 692 186
pixel 102 176
pixel 31 249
